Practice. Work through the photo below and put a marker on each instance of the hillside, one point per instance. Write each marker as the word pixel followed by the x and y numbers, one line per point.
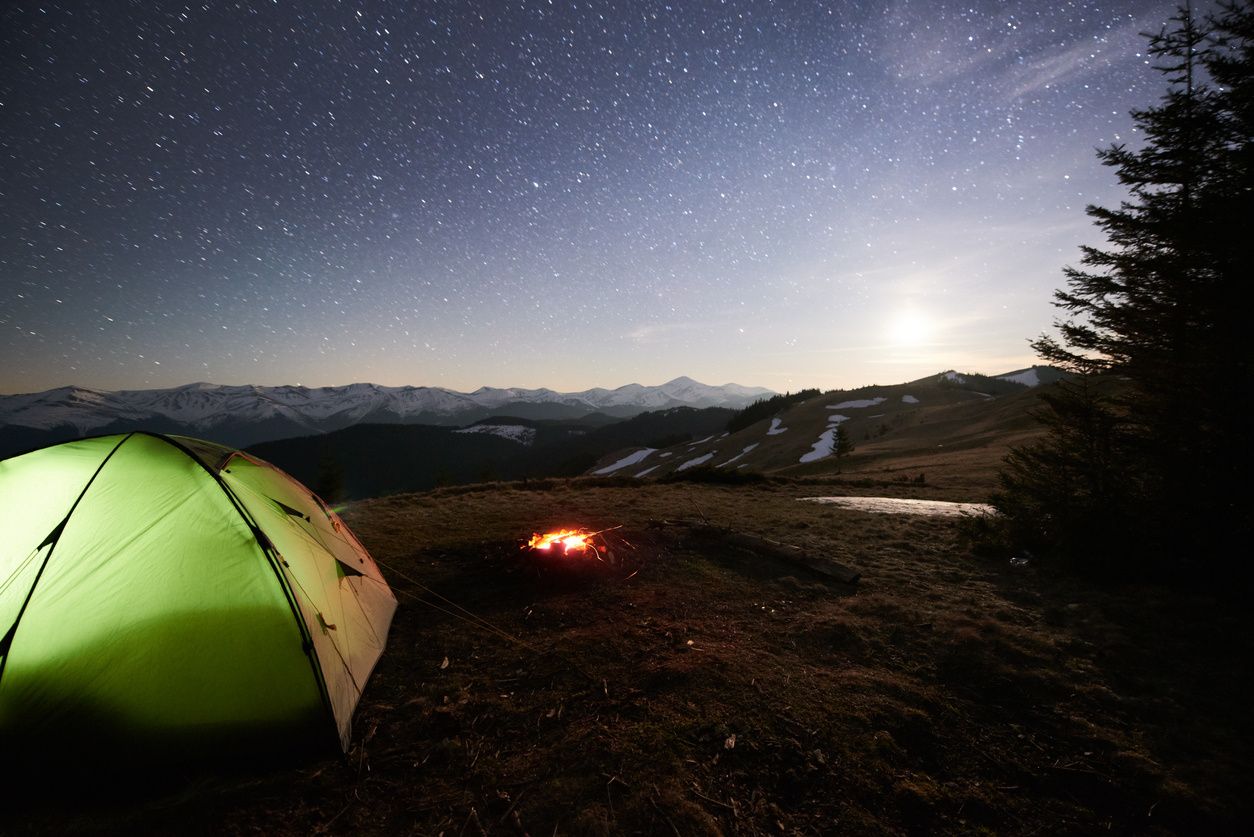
pixel 698 688
pixel 945 427
pixel 371 460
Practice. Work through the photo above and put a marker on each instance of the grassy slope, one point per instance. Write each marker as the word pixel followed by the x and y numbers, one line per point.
pixel 955 437
pixel 943 694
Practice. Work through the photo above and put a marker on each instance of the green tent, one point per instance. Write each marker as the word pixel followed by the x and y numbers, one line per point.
pixel 171 595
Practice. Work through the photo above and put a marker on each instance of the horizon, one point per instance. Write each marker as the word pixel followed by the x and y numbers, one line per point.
pixel 528 388
pixel 801 198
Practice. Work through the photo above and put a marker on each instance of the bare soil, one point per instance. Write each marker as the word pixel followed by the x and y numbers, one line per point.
pixel 689 687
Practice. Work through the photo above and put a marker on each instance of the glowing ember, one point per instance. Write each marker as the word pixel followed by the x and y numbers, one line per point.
pixel 568 541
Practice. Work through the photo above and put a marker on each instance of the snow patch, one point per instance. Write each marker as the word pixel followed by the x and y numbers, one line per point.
pixel 837 419
pixel 896 505
pixel 1027 377
pixel 739 455
pixel 909 399
pixel 627 461
pixel 664 455
pixel 857 404
pixel 647 471
pixel 775 428
pixel 700 460
pixel 514 432
pixel 823 448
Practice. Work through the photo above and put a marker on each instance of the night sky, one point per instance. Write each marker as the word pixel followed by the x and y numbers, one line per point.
pixel 562 194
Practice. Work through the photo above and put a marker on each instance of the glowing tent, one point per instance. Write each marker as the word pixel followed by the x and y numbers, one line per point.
pixel 173 595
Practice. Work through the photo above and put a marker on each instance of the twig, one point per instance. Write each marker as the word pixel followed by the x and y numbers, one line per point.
pixel 322 829
pixel 1078 770
pixel 698 508
pixel 511 808
pixel 473 817
pixel 715 801
pixel 653 802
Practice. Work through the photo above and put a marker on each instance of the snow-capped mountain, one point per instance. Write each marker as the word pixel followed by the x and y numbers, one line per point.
pixel 1034 376
pixel 247 414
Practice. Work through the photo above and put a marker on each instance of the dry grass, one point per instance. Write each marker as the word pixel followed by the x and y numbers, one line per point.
pixel 944 694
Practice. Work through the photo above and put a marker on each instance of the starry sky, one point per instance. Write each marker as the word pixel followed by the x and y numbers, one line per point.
pixel 549 193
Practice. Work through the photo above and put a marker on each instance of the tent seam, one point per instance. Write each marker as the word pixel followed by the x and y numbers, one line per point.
pixel 270 553
pixel 11 633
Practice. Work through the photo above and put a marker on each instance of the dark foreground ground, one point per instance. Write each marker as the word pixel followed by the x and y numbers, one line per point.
pixel 694 687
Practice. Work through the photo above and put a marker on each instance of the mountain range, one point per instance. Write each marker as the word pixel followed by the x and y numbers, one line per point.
pixel 934 424
pixel 246 415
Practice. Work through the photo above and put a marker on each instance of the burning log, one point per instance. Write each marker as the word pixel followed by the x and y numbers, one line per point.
pixel 571 549
pixel 562 542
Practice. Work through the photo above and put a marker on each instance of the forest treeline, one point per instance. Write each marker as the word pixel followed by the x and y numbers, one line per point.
pixel 1144 470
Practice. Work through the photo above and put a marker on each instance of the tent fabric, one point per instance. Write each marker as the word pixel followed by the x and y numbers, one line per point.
pixel 163 590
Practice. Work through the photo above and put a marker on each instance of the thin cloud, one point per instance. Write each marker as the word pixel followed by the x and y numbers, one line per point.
pixel 1086 58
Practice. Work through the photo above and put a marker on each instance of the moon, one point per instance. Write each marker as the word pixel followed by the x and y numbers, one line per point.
pixel 909 328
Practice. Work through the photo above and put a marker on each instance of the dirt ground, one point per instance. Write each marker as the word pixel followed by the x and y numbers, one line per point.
pixel 692 687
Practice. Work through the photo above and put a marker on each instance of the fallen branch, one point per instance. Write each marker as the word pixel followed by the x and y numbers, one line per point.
pixel 765 546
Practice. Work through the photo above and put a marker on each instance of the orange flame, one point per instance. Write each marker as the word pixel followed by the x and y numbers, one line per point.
pixel 572 540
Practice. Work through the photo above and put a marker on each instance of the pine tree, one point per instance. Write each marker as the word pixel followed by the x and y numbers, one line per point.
pixel 1147 448
pixel 842 445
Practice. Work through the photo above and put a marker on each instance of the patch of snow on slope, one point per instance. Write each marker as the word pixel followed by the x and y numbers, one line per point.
pixel 1027 377
pixel 823 448
pixel 897 505
pixel 514 432
pixel 737 456
pixel 856 404
pixel 646 471
pixel 955 377
pixel 700 460
pixel 664 455
pixel 909 399
pixel 837 418
pixel 627 461
pixel 775 428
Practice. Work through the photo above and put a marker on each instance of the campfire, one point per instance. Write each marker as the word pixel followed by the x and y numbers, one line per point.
pixel 578 550
pixel 563 542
